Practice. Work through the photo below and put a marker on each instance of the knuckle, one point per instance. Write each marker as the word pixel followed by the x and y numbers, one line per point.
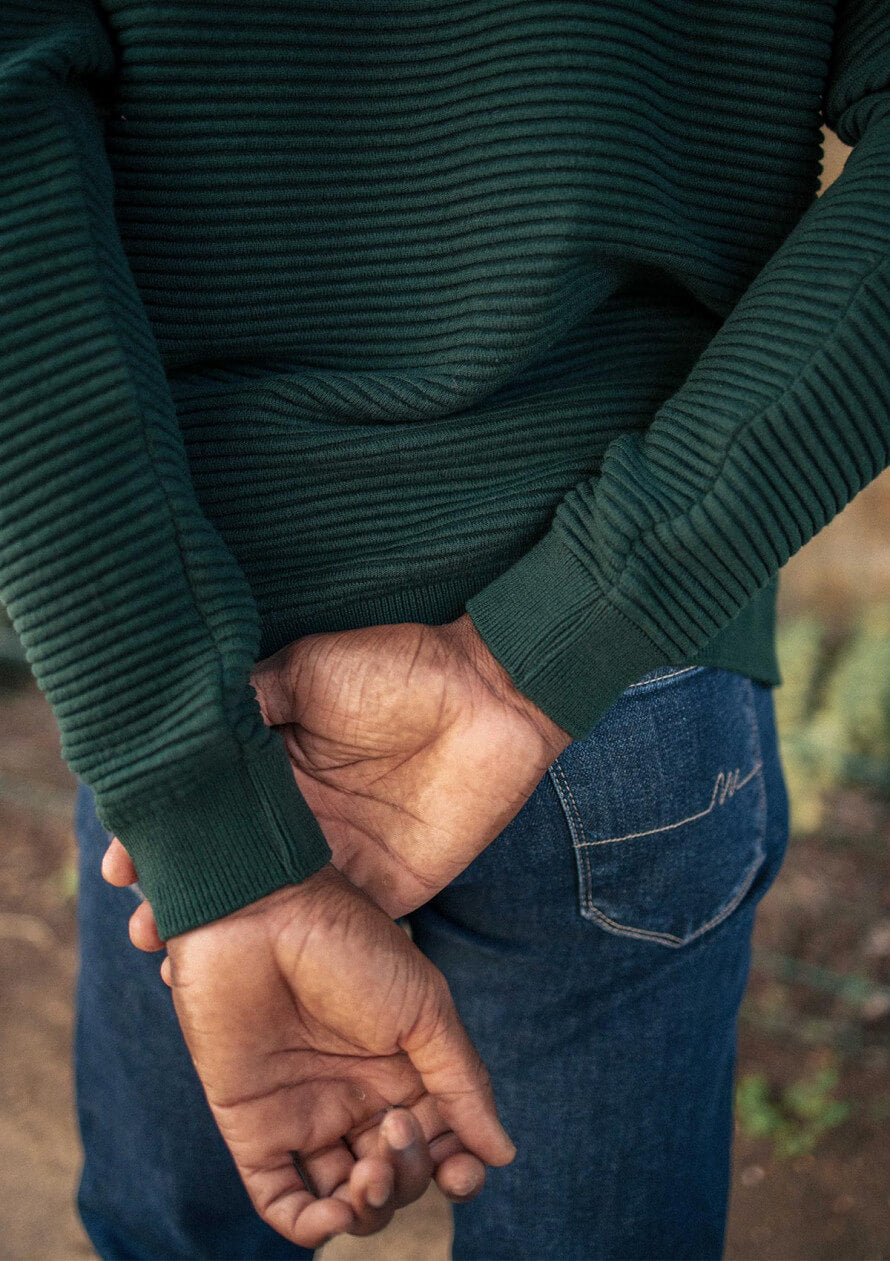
pixel 440 996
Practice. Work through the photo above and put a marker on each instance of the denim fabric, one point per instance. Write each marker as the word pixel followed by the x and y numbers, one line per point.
pixel 597 951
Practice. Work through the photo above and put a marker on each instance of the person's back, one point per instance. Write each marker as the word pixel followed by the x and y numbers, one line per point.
pixel 327 316
pixel 411 269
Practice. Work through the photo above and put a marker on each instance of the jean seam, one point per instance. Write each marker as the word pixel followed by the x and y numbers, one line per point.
pixel 576 828
pixel 662 678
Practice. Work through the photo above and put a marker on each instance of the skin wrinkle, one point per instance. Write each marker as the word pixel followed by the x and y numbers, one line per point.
pixel 412 1015
pixel 292 743
pixel 497 730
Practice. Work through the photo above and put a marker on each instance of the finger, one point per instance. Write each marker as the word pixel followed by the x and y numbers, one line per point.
pixel 326 1169
pixel 403 1144
pixel 144 930
pixel 459 1174
pixel 443 1142
pixel 366 1142
pixel 282 1198
pixel 117 865
pixel 460 1177
pixel 320 1221
pixel 274 680
pixel 449 1065
pixel 167 973
pixel 370 1192
pixel 307 1221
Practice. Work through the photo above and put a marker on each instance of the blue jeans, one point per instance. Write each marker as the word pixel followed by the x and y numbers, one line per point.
pixel 597 951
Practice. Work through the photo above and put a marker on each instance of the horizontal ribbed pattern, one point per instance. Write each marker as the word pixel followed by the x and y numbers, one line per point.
pixel 316 315
pixel 784 417
pixel 249 834
pixel 136 619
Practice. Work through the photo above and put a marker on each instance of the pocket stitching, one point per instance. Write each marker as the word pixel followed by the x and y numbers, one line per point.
pixel 580 842
pixel 732 787
pixel 671 939
pixel 576 829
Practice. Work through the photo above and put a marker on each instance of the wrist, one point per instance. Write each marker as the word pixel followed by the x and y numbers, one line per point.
pixel 464 635
pixel 304 900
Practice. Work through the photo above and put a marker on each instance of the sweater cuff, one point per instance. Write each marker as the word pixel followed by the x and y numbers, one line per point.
pixel 563 643
pixel 227 832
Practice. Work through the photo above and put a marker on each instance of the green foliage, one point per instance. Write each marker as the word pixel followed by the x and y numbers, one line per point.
pixel 795 1117
pixel 855 715
pixel 65 882
pixel 800 645
pixel 833 710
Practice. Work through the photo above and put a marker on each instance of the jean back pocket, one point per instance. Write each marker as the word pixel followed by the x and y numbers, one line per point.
pixel 666 806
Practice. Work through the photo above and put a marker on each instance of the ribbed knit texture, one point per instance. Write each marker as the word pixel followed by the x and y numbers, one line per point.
pixel 319 315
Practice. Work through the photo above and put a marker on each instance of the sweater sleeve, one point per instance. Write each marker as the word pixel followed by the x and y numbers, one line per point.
pixel 784 417
pixel 136 620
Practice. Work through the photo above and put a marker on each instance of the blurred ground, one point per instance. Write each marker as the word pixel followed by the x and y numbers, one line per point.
pixel 812 1154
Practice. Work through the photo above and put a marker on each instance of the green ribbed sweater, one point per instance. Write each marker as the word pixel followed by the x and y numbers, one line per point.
pixel 329 313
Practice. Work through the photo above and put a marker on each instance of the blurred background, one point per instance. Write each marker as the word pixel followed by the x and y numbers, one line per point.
pixel 812 1153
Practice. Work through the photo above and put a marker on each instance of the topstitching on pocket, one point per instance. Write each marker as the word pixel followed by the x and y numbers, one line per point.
pixel 666 807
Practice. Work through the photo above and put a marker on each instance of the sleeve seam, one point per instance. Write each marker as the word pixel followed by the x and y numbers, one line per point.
pixel 659 529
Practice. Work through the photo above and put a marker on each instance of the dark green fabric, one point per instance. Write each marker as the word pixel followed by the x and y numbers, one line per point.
pixel 320 315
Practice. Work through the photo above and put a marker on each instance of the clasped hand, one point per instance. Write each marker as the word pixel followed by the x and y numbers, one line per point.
pixel 329 1048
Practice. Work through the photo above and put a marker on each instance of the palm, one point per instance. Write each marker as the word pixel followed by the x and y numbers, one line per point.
pixel 292 1064
pixel 411 760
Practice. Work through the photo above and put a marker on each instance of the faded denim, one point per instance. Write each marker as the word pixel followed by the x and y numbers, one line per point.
pixel 597 951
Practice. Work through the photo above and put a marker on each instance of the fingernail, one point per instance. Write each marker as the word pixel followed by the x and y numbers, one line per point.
pixel 399 1130
pixel 466 1186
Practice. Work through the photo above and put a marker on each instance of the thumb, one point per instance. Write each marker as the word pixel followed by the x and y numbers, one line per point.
pixel 269 681
pixel 454 1074
pixel 277 683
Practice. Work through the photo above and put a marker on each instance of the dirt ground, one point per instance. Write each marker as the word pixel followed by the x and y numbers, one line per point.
pixel 829 912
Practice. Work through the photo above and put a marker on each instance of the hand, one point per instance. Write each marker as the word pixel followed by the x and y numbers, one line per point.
pixel 407 1157
pixel 308 1014
pixel 411 745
